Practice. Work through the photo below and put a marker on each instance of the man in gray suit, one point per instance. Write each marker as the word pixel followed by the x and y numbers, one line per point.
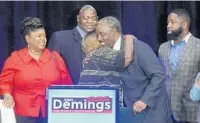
pixel 143 80
pixel 181 59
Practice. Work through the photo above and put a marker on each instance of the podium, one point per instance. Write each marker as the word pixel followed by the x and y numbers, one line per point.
pixel 82 104
pixel 126 115
pixel 88 104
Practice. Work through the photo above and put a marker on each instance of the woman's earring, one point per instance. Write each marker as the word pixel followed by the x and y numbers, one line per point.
pixel 28 46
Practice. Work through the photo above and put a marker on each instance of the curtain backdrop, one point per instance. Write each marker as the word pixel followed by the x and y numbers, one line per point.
pixel 147 20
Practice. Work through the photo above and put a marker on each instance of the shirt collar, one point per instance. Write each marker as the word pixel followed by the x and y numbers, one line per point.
pixel 26 58
pixel 117 44
pixel 185 39
pixel 82 32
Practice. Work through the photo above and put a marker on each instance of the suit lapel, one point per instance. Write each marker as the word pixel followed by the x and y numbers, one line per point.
pixel 76 35
pixel 78 39
pixel 122 43
pixel 168 60
pixel 189 45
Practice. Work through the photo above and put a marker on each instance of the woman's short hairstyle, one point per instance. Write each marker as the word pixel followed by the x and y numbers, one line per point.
pixel 90 42
pixel 30 24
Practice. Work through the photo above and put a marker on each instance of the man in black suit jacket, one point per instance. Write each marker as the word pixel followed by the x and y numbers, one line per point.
pixel 68 42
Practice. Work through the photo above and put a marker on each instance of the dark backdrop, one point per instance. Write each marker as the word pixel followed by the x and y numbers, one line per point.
pixel 145 19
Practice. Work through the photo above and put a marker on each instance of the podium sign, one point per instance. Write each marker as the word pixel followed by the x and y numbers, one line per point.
pixel 82 104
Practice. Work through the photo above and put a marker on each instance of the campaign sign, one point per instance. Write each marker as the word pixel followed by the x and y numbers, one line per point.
pixel 82 104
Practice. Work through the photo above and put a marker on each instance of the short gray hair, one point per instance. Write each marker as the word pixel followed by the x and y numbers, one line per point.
pixel 112 22
pixel 85 7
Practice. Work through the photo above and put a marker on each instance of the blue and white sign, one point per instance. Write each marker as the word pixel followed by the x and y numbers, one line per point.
pixel 82 104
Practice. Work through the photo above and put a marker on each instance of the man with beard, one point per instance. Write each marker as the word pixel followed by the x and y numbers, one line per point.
pixel 181 59
pixel 68 42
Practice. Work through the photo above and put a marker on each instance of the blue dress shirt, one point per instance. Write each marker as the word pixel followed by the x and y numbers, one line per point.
pixel 175 53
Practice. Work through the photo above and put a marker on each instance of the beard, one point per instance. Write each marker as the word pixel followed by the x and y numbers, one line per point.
pixel 174 35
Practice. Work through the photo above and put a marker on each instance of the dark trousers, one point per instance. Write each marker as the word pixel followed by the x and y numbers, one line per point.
pixel 184 122
pixel 26 119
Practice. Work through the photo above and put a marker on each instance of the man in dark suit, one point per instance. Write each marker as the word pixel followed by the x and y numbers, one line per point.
pixel 68 42
pixel 143 80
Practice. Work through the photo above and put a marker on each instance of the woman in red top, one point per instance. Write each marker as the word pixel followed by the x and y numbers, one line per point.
pixel 29 71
